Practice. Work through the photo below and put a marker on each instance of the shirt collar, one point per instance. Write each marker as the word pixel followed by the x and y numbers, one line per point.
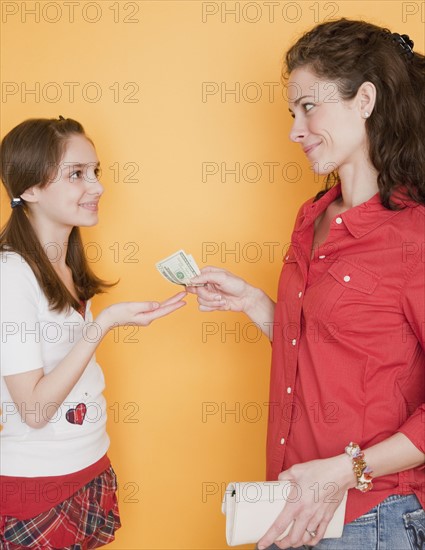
pixel 359 220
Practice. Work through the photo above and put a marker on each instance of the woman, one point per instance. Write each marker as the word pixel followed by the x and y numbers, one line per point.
pixel 58 489
pixel 347 381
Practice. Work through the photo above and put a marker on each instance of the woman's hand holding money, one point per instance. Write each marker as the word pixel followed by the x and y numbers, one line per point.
pixel 227 292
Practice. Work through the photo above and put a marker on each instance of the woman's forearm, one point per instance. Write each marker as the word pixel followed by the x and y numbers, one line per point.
pixel 395 454
pixel 260 309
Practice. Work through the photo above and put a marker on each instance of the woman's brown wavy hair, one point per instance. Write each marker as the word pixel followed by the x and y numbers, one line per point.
pixel 351 52
pixel 30 154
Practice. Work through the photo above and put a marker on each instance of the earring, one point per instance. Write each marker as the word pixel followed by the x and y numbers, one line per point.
pixel 366 114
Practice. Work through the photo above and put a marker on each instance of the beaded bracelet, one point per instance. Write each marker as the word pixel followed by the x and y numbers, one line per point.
pixel 360 468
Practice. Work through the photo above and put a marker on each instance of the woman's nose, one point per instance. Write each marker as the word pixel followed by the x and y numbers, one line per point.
pixel 298 131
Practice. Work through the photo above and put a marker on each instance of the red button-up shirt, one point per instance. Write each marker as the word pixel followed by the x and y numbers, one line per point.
pixel 348 360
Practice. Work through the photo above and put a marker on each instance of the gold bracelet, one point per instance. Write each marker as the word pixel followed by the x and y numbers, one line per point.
pixel 360 468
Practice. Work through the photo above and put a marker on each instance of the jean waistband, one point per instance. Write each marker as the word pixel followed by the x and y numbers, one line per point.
pixel 396 500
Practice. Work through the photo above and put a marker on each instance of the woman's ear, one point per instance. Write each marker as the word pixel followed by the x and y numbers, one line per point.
pixel 366 95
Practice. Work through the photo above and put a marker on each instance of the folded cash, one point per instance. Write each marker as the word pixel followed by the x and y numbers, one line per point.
pixel 179 268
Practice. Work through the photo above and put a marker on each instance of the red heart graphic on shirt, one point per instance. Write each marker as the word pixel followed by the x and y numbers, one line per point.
pixel 77 415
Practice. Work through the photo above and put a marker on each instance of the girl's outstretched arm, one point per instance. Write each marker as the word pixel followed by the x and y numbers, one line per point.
pixel 34 390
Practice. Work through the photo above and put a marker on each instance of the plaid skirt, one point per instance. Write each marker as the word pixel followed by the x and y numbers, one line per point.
pixel 88 519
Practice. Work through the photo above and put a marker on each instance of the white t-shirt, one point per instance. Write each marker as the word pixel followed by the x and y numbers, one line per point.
pixel 34 337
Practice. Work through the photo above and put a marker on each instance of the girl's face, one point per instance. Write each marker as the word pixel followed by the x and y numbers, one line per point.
pixel 71 198
pixel 330 130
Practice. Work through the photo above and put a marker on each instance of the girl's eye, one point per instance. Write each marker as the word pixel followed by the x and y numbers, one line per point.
pixel 75 175
pixel 97 172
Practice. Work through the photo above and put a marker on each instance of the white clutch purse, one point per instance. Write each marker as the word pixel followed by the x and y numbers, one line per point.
pixel 252 506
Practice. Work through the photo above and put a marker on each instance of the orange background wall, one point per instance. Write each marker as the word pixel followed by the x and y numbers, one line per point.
pixel 176 95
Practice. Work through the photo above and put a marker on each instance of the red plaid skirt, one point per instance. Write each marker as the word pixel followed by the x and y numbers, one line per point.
pixel 88 519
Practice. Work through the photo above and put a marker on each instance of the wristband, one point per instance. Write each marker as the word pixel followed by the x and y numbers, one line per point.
pixel 360 468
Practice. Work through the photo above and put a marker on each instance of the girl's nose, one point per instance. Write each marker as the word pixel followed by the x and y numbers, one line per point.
pixel 95 187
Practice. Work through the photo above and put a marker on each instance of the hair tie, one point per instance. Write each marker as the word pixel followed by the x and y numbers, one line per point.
pixel 16 202
pixel 405 42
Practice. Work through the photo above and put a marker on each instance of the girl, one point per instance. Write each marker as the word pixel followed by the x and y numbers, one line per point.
pixel 57 484
pixel 347 380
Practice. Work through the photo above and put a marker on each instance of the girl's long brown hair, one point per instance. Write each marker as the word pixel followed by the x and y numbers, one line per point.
pixel 30 154
pixel 352 52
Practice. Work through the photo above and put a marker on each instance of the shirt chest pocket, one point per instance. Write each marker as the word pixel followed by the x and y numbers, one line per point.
pixel 354 277
pixel 345 293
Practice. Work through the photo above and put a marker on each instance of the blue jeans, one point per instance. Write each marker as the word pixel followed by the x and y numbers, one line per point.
pixel 397 523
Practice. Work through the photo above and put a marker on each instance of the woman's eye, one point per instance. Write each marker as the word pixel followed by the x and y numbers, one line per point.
pixel 306 106
pixel 97 172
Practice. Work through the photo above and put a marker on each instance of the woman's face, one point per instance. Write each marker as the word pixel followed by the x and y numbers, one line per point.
pixel 330 130
pixel 71 198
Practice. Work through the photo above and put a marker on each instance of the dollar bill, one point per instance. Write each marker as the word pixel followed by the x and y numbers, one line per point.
pixel 179 268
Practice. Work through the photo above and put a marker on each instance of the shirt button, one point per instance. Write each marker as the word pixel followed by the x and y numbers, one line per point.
pixel 294 342
pixel 300 294
pixel 322 256
pixel 282 441
pixel 347 278
pixel 288 390
pixel 338 220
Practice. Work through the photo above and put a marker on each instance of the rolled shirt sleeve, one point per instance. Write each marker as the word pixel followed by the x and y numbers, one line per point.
pixel 413 303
